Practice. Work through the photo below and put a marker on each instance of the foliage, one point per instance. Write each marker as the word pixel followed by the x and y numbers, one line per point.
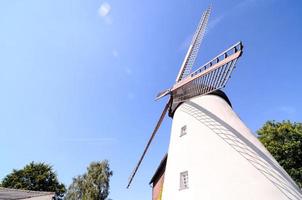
pixel 284 141
pixel 34 176
pixel 93 185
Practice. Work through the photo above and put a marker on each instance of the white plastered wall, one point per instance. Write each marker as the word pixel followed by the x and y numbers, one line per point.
pixel 224 160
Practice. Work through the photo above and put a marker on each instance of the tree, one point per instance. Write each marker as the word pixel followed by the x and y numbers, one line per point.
pixel 93 185
pixel 284 141
pixel 35 176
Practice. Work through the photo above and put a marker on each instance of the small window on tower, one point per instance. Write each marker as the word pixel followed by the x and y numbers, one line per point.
pixel 183 130
pixel 184 180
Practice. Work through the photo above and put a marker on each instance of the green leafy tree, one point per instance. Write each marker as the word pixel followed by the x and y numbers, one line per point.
pixel 284 141
pixel 93 185
pixel 35 176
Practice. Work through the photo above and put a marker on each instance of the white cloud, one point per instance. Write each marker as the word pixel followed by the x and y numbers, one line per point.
pixel 104 9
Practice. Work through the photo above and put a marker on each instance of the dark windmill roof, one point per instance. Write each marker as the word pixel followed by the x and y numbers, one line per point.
pixel 14 194
pixel 159 169
pixel 219 93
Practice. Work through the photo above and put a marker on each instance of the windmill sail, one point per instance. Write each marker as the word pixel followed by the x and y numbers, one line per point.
pixel 208 78
pixel 194 47
pixel 162 94
pixel 162 116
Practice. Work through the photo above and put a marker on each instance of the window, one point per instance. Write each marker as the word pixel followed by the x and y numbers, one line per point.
pixel 183 130
pixel 184 180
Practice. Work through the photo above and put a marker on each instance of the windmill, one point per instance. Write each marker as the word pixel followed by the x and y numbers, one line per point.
pixel 209 141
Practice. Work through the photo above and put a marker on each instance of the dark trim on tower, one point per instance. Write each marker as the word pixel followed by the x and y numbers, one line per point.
pixel 219 93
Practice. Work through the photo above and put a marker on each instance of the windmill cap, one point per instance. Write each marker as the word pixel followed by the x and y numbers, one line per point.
pixel 221 94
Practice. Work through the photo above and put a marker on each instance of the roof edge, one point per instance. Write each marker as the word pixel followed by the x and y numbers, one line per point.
pixel 162 164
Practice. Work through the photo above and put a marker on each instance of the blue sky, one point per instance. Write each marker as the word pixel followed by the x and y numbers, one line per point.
pixel 78 78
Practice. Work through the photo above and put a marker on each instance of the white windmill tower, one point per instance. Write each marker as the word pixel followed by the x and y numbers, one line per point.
pixel 212 154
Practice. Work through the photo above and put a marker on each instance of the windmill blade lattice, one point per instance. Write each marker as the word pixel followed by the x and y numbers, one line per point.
pixel 194 46
pixel 208 78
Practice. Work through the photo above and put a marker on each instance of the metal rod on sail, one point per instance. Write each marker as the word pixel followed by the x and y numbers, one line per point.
pixel 149 141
